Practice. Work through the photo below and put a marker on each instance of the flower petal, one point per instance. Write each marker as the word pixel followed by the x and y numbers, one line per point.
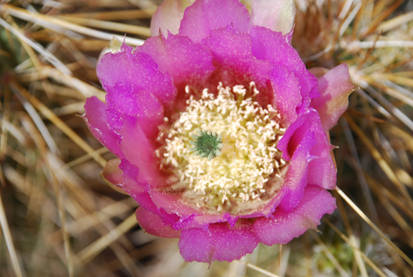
pixel 139 151
pixel 185 61
pixel 277 15
pixel 321 169
pixel 196 245
pixel 207 15
pixel 154 225
pixel 218 242
pixel 142 186
pixel 146 183
pixel 274 48
pixel 307 148
pixel 232 51
pixel 113 175
pixel 96 120
pixel 335 87
pixel 296 178
pixel 135 88
pixel 287 93
pixel 130 70
pixel 168 16
pixel 112 172
pixel 229 43
pixel 137 190
pixel 284 226
pixel 143 107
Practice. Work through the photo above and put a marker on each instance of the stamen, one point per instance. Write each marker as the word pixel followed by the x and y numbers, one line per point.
pixel 239 138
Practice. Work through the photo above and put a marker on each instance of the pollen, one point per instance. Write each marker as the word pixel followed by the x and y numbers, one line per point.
pixel 221 151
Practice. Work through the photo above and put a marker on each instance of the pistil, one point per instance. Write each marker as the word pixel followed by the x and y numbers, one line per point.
pixel 207 144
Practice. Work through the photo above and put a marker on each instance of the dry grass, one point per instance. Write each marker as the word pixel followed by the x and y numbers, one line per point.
pixel 59 218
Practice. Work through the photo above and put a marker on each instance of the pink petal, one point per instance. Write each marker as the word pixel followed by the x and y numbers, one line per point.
pixel 135 88
pixel 277 15
pixel 196 245
pixel 307 148
pixel 232 52
pixel 335 87
pixel 295 133
pixel 229 43
pixel 207 15
pixel 137 190
pixel 113 175
pixel 321 169
pixel 144 106
pixel 142 185
pixel 168 17
pixel 111 171
pixel 140 152
pixel 287 93
pixel 142 177
pixel 95 116
pixel 171 203
pixel 154 225
pixel 168 205
pixel 284 226
pixel 185 61
pixel 146 183
pixel 130 70
pixel 274 48
pixel 296 177
pixel 217 242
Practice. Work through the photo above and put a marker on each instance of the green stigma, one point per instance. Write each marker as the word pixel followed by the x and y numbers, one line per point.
pixel 207 144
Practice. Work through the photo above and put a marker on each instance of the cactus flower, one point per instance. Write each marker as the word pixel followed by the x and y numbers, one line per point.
pixel 221 132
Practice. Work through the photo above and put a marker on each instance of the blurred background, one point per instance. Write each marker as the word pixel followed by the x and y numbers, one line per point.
pixel 59 217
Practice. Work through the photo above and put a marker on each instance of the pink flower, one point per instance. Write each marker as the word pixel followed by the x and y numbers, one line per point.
pixel 220 130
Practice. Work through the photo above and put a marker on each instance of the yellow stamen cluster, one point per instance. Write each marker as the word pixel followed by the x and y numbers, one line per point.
pixel 246 161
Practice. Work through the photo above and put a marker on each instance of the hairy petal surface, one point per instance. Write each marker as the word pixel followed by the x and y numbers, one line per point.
pixel 321 168
pixel 153 224
pixel 207 15
pixel 139 151
pixel 97 122
pixel 135 89
pixel 284 226
pixel 113 174
pixel 185 61
pixel 216 242
pixel 274 48
pixel 307 148
pixel 335 87
pixel 137 190
pixel 296 177
pixel 130 70
pixel 287 92
pixel 235 64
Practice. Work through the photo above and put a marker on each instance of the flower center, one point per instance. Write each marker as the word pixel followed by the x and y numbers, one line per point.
pixel 221 151
pixel 207 144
